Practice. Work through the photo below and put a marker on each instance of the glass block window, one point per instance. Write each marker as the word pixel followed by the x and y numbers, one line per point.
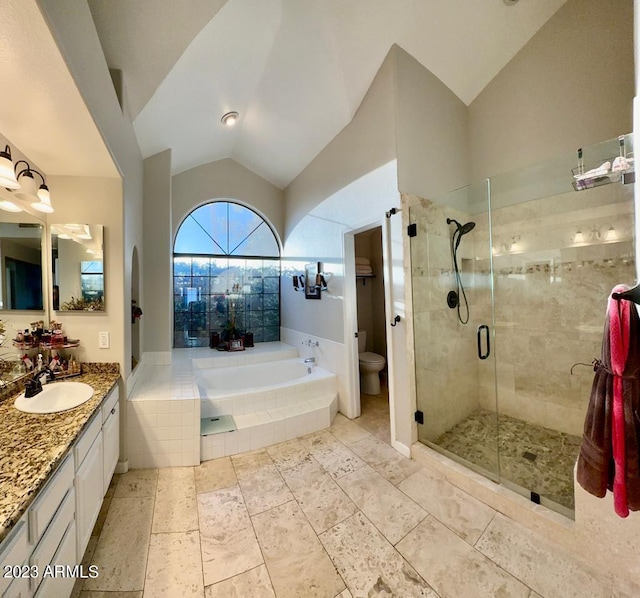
pixel 226 276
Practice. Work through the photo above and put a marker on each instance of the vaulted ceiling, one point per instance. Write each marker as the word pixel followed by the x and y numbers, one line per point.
pixel 295 70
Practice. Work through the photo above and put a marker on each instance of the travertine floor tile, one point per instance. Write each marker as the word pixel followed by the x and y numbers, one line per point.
pixel 288 454
pixel 322 500
pixel 388 462
pixel 174 568
pixel 175 509
pixel 137 483
pixel 296 561
pixel 459 511
pixel 213 475
pixel 348 432
pixel 453 568
pixel 248 463
pixel 121 553
pixel 545 568
pixel 110 594
pixel 228 542
pixel 390 510
pixel 262 485
pixel 252 584
pixel 368 563
pixel 345 594
pixel 375 415
pixel 336 459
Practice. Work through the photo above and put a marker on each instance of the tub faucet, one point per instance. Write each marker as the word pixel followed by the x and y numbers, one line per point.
pixel 310 360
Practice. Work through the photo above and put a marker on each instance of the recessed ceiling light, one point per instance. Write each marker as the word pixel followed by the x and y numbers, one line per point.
pixel 229 119
pixel 510 2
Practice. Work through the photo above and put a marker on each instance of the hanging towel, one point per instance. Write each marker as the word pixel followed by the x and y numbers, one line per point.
pixel 619 315
pixel 609 456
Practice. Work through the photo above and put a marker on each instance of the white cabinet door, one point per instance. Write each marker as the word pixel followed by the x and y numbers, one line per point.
pixel 89 484
pixel 111 440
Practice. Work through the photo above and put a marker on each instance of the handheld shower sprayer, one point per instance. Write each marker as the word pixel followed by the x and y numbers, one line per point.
pixel 453 298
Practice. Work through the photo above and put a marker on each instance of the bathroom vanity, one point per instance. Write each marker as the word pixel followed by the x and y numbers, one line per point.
pixel 54 472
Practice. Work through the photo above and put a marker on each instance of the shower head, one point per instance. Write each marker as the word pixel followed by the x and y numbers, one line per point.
pixel 463 229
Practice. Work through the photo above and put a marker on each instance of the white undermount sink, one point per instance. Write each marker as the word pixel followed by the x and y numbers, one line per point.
pixel 55 397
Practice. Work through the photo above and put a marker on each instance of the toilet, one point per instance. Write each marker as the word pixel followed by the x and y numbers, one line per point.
pixel 370 366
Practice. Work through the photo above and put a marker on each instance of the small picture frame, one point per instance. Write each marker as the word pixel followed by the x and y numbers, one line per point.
pixel 236 344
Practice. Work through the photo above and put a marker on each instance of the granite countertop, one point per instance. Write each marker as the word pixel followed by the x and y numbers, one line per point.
pixel 33 445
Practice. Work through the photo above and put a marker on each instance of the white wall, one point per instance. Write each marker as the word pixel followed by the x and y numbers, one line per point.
pixel 366 143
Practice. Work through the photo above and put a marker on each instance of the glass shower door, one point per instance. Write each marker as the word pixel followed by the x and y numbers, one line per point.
pixel 453 311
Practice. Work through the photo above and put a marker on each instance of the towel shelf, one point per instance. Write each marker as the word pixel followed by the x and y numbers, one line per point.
pixel 364 277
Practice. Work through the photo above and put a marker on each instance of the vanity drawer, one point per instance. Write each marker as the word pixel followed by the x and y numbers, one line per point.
pixel 86 440
pixel 43 554
pixel 61 585
pixel 19 588
pixel 109 404
pixel 45 506
pixel 15 552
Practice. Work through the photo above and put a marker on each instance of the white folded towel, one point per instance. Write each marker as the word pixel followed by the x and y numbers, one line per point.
pixel 362 261
pixel 363 270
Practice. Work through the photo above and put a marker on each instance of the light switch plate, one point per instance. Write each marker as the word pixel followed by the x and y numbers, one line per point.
pixel 103 340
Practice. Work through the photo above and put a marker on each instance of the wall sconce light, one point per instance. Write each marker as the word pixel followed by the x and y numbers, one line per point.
pixel 40 199
pixel 7 176
pixel 611 234
pixel 578 237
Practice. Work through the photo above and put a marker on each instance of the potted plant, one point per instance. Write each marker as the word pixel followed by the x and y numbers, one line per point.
pixel 231 334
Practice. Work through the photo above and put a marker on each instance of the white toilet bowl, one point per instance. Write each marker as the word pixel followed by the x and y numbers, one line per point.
pixel 370 366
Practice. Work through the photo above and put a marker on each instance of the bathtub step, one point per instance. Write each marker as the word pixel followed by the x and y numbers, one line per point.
pixel 264 428
pixel 217 424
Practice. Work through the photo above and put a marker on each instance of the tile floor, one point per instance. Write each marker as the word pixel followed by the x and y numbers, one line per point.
pixel 338 513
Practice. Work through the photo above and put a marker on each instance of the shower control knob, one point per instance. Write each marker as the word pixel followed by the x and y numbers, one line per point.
pixel 452 299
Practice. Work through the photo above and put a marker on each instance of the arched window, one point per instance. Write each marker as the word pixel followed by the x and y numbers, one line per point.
pixel 226 276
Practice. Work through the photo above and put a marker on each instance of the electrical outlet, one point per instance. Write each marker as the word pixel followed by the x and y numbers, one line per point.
pixel 103 340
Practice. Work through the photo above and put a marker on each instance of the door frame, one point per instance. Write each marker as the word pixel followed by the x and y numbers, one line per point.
pixel 351 321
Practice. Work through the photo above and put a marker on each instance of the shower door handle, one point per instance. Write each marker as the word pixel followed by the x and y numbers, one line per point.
pixel 482 355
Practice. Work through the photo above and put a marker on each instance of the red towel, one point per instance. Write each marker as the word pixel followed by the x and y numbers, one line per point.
pixel 619 318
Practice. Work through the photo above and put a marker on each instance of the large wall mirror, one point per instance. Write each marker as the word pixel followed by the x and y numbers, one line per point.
pixel 21 264
pixel 22 283
pixel 77 265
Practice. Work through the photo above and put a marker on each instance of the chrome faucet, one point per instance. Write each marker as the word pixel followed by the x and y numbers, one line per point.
pixel 310 360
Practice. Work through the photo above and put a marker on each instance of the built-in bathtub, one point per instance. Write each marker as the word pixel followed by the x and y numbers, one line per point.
pixel 270 402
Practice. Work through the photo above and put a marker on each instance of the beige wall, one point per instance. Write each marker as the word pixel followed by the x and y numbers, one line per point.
pixel 572 85
pixel 431 131
pixel 226 179
pixel 157 247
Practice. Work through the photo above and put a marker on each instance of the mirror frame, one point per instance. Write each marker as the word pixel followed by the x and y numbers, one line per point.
pixel 94 243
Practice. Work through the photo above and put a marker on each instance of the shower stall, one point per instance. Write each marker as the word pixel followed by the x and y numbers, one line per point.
pixel 510 281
